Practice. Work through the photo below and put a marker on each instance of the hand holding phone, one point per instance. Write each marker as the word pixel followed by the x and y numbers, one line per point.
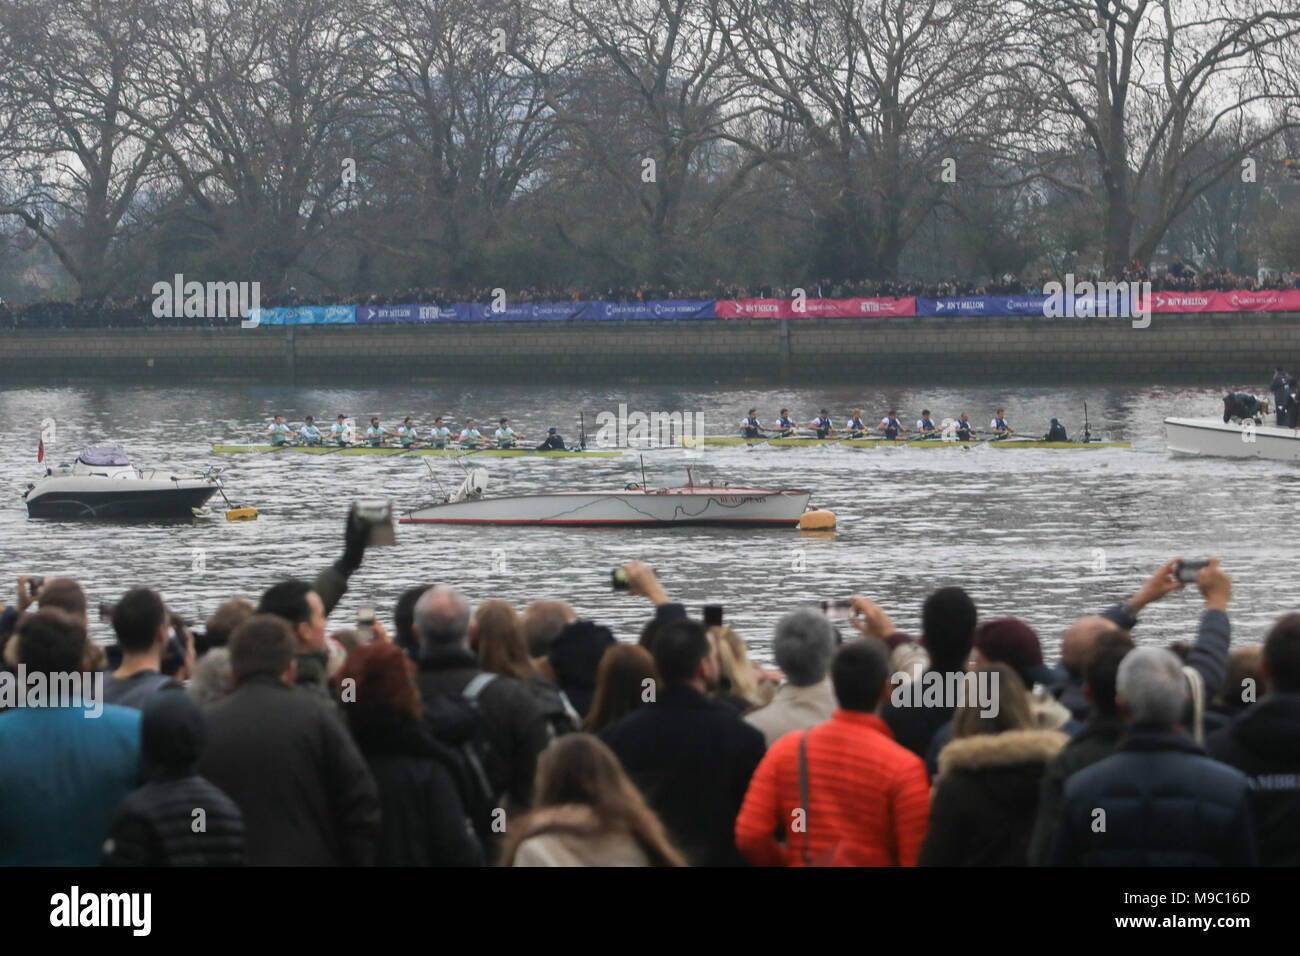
pixel 366 624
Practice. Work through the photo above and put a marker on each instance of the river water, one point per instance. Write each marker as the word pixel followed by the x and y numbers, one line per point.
pixel 1044 535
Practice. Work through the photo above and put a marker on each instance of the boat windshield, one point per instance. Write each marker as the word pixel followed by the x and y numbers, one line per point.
pixel 104 456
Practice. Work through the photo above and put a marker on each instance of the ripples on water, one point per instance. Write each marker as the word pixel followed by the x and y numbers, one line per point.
pixel 1044 535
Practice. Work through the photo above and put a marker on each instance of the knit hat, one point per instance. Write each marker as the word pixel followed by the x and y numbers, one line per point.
pixel 1011 641
pixel 575 656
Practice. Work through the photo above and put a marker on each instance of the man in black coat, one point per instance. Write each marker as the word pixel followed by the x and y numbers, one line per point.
pixel 1158 800
pixel 1263 742
pixel 160 824
pixel 290 764
pixel 513 719
pixel 692 757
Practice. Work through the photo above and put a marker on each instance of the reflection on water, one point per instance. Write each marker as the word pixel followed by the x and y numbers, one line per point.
pixel 1040 534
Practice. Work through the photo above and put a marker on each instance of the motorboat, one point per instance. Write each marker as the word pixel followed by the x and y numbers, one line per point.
pixel 102 483
pixel 633 505
pixel 1232 439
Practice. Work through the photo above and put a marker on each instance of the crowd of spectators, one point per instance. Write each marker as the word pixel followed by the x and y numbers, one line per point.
pixel 474 736
pixel 136 311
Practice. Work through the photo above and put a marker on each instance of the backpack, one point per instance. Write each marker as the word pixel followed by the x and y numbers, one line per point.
pixel 455 721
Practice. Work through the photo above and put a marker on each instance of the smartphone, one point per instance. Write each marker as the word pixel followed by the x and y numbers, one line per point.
pixel 837 610
pixel 366 624
pixel 713 615
pixel 618 578
pixel 106 609
pixel 34 584
pixel 378 518
pixel 1189 571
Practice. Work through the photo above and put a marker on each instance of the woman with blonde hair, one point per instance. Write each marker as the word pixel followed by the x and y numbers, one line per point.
pixel 625 673
pixel 497 633
pixel 587 813
pixel 738 684
pixel 985 801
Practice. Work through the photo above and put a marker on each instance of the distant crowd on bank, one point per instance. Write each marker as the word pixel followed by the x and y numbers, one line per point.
pixel 464 736
pixel 136 311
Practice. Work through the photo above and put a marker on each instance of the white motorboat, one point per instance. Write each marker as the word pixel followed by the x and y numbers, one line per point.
pixel 102 483
pixel 1220 439
pixel 690 504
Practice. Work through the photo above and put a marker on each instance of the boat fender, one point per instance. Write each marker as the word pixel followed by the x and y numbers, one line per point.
pixel 817 520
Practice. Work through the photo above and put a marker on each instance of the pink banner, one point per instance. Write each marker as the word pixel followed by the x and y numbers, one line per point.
pixel 813 308
pixel 1266 300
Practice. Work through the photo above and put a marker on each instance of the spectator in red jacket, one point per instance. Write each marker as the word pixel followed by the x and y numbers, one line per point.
pixel 843 793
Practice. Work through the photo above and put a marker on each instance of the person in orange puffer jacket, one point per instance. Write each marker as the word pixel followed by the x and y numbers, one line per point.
pixel 843 793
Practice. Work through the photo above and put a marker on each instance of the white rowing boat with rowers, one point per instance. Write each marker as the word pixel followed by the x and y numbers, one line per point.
pixel 634 506
pixel 936 442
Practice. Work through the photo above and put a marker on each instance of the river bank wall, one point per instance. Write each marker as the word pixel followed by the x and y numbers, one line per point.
pixel 1175 349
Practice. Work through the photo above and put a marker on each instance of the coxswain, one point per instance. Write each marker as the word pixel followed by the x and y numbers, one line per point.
pixel 750 426
pixel 407 433
pixel 962 428
pixel 1056 432
pixel 376 433
pixel 999 426
pixel 554 442
pixel 924 426
pixel 891 426
pixel 340 432
pixel 439 434
pixel 278 431
pixel 505 435
pixel 855 427
pixel 470 436
pixel 309 433
pixel 785 426
pixel 822 424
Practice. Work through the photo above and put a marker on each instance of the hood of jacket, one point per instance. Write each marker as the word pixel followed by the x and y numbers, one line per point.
pixel 173 732
pixel 1010 748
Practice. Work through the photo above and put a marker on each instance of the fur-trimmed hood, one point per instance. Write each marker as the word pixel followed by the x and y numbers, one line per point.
pixel 571 835
pixel 1007 749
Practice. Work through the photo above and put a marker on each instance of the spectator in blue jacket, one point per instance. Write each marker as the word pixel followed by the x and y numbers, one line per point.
pixel 67 759
pixel 1159 800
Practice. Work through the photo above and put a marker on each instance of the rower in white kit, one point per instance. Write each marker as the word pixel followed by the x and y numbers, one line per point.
pixel 279 432
pixel 309 434
pixel 341 432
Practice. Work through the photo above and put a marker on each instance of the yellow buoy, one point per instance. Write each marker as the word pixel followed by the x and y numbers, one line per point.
pixel 241 514
pixel 819 520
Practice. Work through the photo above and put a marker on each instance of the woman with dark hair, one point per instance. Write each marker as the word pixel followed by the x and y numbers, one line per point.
pixel 985 802
pixel 625 673
pixel 497 633
pixel 424 820
pixel 587 813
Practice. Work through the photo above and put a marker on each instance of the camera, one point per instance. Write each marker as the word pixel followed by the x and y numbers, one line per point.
pixel 618 578
pixel 1189 571
pixel 837 610
pixel 34 584
pixel 377 516
pixel 713 615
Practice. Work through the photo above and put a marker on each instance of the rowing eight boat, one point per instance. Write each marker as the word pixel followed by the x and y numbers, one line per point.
pixel 1001 443
pixel 397 450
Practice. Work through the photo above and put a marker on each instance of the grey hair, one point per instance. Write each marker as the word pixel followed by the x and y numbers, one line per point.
pixel 213 676
pixel 1153 686
pixel 802 646
pixel 441 617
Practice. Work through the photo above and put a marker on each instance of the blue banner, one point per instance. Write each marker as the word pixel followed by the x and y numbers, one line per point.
pixel 982 305
pixel 306 315
pixel 537 312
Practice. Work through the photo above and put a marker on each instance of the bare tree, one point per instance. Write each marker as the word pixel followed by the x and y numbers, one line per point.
pixel 77 158
pixel 1148 86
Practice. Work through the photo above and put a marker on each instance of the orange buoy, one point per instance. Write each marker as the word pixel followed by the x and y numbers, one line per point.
pixel 819 520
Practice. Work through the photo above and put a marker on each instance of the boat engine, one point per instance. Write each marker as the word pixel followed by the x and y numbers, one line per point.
pixel 472 488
